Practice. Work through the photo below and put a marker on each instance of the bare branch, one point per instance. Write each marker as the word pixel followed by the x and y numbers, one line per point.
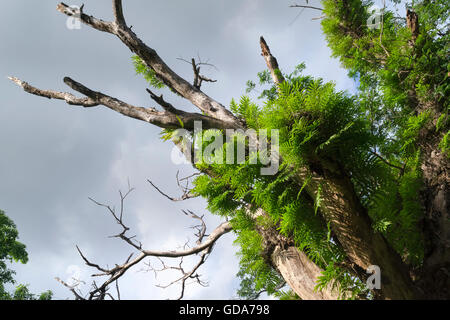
pixel 117 289
pixel 386 161
pixel 71 288
pixel 68 97
pixel 202 247
pixel 201 229
pixel 90 20
pixel 318 18
pixel 162 119
pixel 185 196
pixel 186 275
pixel 118 13
pixel 222 229
pixel 166 106
pixel 305 6
pixel 198 78
pixel 271 62
pixel 153 61
pixel 119 271
pixel 119 219
pixel 90 264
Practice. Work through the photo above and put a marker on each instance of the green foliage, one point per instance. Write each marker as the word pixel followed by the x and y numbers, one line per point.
pixel 148 74
pixel 286 295
pixel 246 110
pixel 255 273
pixel 12 250
pixel 22 292
pixel 396 211
pixel 411 131
pixel 445 145
pixel 313 120
pixel 317 125
pixel 403 76
pixel 347 286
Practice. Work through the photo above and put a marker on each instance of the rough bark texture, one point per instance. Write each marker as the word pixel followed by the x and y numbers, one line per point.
pixel 271 61
pixel 299 272
pixel 434 277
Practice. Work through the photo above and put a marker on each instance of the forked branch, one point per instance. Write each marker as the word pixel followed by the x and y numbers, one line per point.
pixel 153 61
pixel 204 245
pixel 171 118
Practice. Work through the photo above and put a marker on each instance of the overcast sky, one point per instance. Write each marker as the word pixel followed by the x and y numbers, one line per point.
pixel 54 156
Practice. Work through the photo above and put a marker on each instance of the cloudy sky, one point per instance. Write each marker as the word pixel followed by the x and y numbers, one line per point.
pixel 54 156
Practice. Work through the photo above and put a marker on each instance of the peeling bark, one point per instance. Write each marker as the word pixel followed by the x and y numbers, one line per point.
pixel 299 272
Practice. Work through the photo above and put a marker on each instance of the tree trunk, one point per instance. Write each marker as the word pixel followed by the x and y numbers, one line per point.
pixel 299 272
pixel 434 277
pixel 352 226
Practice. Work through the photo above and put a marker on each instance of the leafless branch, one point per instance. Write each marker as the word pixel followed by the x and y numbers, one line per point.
pixel 271 62
pixel 318 18
pixel 153 61
pixel 305 6
pixel 198 78
pixel 71 288
pixel 204 245
pixel 382 29
pixel 68 97
pixel 386 161
pixel 170 118
pixel 117 289
pixel 118 13
pixel 160 100
pixel 201 228
pixel 185 196
pixel 192 273
pixel 119 219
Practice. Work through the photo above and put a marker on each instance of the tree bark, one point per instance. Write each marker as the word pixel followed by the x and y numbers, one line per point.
pixel 434 276
pixel 299 272
pixel 351 224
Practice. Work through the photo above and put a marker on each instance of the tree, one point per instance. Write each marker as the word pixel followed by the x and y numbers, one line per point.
pixel 12 250
pixel 362 180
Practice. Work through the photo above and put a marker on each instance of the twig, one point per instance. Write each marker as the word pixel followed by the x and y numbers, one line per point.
pixel 304 6
pixel 386 161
